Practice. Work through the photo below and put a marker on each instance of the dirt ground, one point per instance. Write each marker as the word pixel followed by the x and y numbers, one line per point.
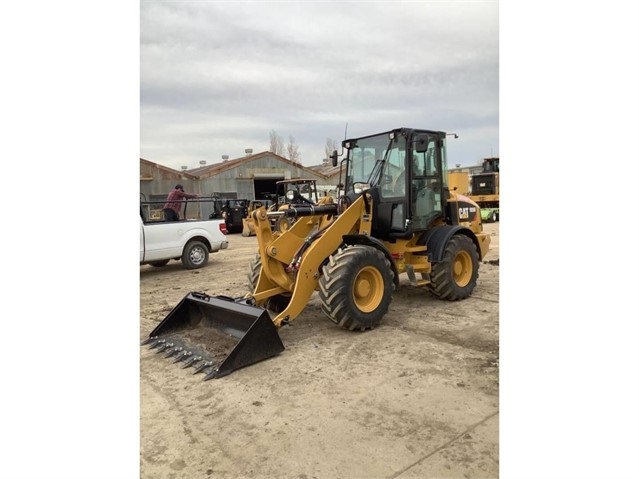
pixel 417 397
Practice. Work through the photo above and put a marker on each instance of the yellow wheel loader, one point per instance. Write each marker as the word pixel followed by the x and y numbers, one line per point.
pixel 396 216
pixel 248 226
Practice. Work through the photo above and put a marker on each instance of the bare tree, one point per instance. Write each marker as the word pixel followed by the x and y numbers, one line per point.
pixel 277 145
pixel 329 147
pixel 292 150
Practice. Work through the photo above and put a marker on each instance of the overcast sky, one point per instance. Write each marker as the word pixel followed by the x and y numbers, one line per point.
pixel 218 77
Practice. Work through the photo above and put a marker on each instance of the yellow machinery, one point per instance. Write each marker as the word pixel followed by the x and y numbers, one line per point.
pixel 485 189
pixel 397 216
pixel 459 182
pixel 248 226
pixel 294 192
pixel 297 191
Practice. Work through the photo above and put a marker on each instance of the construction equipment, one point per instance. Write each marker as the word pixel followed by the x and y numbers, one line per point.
pixel 211 333
pixel 397 215
pixel 232 210
pixel 485 189
pixel 290 193
pixel 248 226
pixel 459 181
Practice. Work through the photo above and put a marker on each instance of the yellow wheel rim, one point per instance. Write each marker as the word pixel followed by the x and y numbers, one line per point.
pixel 368 289
pixel 462 268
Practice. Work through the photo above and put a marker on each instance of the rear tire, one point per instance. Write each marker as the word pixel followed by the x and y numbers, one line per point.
pixel 195 255
pixel 356 286
pixel 493 217
pixel 455 276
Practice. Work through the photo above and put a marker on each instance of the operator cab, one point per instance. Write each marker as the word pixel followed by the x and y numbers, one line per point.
pixel 403 170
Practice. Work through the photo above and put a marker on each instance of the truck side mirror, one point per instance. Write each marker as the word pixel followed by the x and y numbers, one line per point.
pixel 334 158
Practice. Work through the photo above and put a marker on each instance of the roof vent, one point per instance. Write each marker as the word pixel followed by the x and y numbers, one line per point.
pixel 202 162
pixel 249 151
pixel 184 167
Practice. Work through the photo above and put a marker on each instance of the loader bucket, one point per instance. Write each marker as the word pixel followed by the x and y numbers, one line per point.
pixel 248 228
pixel 215 334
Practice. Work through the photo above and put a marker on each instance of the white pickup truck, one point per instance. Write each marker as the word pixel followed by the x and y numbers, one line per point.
pixel 190 241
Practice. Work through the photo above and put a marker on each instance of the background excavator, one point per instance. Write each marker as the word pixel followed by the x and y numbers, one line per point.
pixel 396 216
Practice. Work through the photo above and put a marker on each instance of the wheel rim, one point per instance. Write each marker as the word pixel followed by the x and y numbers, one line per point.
pixel 197 255
pixel 462 268
pixel 368 289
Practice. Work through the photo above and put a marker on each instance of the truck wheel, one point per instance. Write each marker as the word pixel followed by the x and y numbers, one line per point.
pixel 356 286
pixel 455 276
pixel 277 303
pixel 195 255
pixel 159 264
pixel 493 217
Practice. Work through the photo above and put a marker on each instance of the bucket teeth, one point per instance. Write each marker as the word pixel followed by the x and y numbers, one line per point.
pixel 163 347
pixel 211 375
pixel 191 361
pixel 172 351
pixel 148 340
pixel 202 366
pixel 181 356
pixel 157 343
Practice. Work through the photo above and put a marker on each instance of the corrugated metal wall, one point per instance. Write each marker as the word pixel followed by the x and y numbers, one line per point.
pixel 237 182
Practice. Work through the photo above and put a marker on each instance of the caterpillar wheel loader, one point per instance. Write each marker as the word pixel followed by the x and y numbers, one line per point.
pixel 395 216
pixel 248 226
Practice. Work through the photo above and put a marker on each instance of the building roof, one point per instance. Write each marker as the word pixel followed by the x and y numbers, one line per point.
pixel 146 166
pixel 217 168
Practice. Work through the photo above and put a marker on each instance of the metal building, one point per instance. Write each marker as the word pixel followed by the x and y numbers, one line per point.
pixel 252 177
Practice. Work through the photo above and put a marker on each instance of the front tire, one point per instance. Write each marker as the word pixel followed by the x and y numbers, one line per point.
pixel 455 276
pixel 277 303
pixel 195 255
pixel 356 286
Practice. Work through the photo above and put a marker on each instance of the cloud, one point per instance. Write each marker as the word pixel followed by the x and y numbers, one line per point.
pixel 217 77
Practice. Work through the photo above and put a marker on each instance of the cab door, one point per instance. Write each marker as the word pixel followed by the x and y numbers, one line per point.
pixel 391 198
pixel 426 186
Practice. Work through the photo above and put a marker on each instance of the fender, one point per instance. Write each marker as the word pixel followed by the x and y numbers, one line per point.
pixel 436 239
pixel 377 244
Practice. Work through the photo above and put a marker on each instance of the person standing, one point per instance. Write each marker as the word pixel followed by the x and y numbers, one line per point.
pixel 174 201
